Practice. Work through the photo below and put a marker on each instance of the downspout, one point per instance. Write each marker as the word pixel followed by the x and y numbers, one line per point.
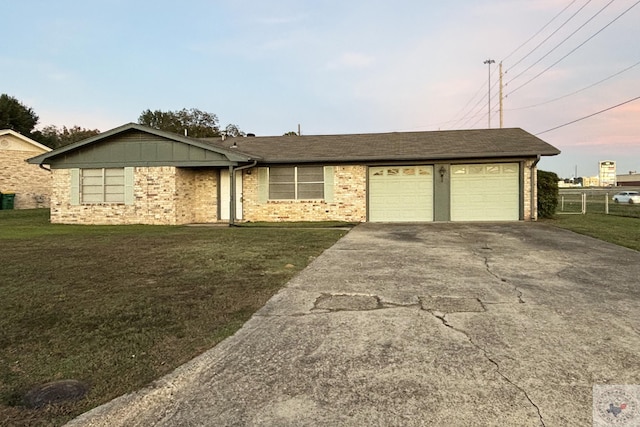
pixel 42 167
pixel 232 181
pixel 533 202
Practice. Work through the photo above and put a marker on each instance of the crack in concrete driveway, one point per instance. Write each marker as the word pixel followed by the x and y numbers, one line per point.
pixel 443 319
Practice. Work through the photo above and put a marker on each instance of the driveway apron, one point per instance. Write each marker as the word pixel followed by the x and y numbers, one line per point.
pixel 508 324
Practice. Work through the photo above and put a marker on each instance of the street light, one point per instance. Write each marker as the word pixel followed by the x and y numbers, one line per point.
pixel 489 62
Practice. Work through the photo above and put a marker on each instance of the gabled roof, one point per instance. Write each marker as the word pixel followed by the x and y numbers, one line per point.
pixel 395 146
pixel 20 136
pixel 399 146
pixel 231 155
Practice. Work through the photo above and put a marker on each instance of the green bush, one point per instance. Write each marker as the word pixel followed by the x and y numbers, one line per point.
pixel 547 194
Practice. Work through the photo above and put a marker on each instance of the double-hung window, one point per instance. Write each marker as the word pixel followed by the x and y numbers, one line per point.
pixel 296 183
pixel 102 185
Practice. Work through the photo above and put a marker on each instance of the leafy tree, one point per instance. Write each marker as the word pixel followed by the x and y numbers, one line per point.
pixel 291 133
pixel 233 130
pixel 547 194
pixel 197 123
pixel 14 115
pixel 53 137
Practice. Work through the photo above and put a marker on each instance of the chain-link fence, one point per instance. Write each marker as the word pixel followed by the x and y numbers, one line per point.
pixel 592 200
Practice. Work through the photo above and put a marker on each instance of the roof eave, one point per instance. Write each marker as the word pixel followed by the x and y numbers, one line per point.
pixel 233 156
pixel 360 159
pixel 24 138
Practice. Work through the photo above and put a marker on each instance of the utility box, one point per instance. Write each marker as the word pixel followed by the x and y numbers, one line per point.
pixel 7 200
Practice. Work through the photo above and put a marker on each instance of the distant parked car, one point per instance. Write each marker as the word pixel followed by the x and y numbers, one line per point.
pixel 627 197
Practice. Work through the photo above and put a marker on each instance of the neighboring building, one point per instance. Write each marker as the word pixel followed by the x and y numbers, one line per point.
pixel 607 173
pixel 590 181
pixel 30 183
pixel 632 179
pixel 570 183
pixel 134 174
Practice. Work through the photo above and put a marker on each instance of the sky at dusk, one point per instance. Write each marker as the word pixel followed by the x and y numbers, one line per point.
pixel 347 66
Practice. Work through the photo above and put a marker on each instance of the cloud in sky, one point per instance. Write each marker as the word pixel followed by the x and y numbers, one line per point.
pixel 332 66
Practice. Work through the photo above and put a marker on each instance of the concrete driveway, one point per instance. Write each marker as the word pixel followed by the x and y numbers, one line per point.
pixel 419 324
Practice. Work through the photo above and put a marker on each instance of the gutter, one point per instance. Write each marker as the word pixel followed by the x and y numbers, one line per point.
pixel 533 202
pixel 232 182
pixel 42 167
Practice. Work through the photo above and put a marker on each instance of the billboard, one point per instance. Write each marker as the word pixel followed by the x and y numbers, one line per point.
pixel 607 173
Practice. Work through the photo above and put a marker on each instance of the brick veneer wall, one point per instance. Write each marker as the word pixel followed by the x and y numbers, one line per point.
pixel 349 200
pixel 30 183
pixel 163 195
pixel 527 191
pixel 196 195
pixel 169 195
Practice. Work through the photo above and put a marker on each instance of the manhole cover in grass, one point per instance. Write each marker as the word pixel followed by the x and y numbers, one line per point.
pixel 347 302
pixel 56 392
pixel 451 304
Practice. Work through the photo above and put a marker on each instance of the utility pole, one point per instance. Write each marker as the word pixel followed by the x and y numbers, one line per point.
pixel 489 62
pixel 501 110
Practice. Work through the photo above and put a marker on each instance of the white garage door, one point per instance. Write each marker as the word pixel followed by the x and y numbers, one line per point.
pixel 485 192
pixel 401 193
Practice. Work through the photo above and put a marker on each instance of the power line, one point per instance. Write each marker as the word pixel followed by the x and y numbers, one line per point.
pixel 467 114
pixel 480 90
pixel 471 110
pixel 577 91
pixel 477 121
pixel 590 115
pixel 574 49
pixel 478 93
pixel 539 31
pixel 562 42
pixel 478 112
pixel 550 35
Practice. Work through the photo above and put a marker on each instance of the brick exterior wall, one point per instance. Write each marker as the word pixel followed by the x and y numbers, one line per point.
pixel 171 196
pixel 349 200
pixel 30 183
pixel 527 192
pixel 196 195
pixel 163 196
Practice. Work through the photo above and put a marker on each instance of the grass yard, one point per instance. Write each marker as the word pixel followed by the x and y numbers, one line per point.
pixel 119 306
pixel 621 230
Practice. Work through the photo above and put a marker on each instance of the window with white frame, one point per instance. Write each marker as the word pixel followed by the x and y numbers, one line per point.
pixel 102 185
pixel 296 182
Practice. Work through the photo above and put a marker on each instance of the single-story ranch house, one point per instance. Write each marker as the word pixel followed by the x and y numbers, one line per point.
pixel 137 175
pixel 30 184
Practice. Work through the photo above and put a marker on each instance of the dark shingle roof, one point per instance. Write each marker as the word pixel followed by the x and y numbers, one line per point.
pixel 456 144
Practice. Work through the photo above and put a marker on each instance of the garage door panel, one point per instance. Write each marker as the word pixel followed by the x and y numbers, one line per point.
pixel 485 192
pixel 401 193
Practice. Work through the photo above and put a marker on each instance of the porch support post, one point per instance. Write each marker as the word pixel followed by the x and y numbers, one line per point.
pixel 232 196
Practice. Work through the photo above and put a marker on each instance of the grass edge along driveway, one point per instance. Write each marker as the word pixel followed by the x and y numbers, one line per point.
pixel 621 230
pixel 119 306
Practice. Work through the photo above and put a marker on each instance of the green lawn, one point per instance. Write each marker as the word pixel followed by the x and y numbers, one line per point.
pixel 621 230
pixel 119 306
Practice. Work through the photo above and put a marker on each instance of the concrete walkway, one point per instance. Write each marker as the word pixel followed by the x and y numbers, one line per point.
pixel 412 325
